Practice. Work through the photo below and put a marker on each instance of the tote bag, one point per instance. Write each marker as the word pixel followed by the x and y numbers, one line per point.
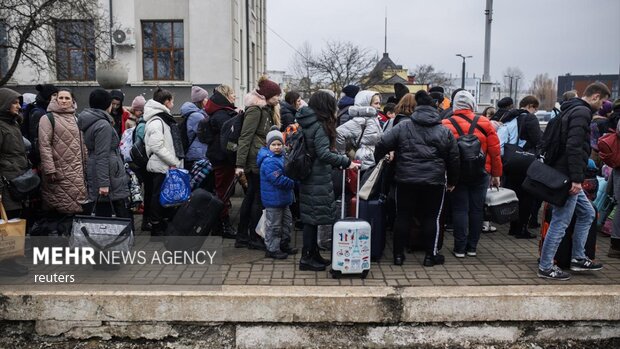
pixel 102 233
pixel 12 236
pixel 176 189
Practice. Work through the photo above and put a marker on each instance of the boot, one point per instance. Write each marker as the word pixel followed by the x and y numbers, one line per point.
pixel 614 248
pixel 524 233
pixel 308 262
pixel 317 257
pixel 228 231
pixel 286 247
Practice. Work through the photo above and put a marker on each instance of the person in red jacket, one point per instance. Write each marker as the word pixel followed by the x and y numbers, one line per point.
pixel 469 194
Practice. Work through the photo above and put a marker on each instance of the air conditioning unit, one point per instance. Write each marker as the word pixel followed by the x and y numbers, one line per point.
pixel 123 37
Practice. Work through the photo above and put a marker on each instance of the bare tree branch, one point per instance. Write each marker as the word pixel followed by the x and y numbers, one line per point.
pixel 544 88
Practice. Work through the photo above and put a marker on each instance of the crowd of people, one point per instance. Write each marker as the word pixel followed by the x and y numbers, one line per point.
pixel 428 185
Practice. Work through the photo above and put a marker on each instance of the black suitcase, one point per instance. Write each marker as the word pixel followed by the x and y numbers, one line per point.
pixel 372 211
pixel 564 252
pixel 193 222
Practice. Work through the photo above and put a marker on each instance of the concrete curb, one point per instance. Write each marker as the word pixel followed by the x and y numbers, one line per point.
pixel 292 304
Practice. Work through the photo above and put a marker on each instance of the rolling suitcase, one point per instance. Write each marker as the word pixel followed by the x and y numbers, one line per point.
pixel 372 212
pixel 193 222
pixel 563 254
pixel 351 244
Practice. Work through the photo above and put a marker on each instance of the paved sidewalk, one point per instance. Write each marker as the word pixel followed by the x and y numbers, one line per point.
pixel 501 260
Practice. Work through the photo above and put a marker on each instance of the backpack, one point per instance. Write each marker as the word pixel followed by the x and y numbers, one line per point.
pixel 298 161
pixel 35 156
pixel 609 149
pixel 472 157
pixel 139 157
pixel 203 132
pixel 552 145
pixel 127 143
pixel 230 133
pixel 185 141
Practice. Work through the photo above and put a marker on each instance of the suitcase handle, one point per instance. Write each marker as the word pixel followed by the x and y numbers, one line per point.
pixel 357 194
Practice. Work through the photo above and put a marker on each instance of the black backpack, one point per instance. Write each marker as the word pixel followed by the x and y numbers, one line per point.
pixel 204 133
pixel 470 150
pixel 34 120
pixel 231 131
pixel 139 157
pixel 185 141
pixel 553 141
pixel 298 161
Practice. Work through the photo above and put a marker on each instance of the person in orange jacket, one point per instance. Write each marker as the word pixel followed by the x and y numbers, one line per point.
pixel 469 194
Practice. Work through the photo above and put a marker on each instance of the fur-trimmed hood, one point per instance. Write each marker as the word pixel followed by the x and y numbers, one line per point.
pixel 254 99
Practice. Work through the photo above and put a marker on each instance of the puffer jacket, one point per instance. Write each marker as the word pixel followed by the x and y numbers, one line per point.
pixel 489 144
pixel 574 155
pixel 197 150
pixel 258 119
pixel 364 124
pixel 220 110
pixel 62 153
pixel 287 115
pixel 316 193
pixel 158 139
pixel 13 162
pixel 425 150
pixel 276 189
pixel 105 166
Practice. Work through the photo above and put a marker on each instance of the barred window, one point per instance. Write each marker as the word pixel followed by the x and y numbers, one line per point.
pixel 75 50
pixel 162 50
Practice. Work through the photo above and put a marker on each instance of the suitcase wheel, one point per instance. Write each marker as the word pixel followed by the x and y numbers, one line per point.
pixel 364 274
pixel 336 274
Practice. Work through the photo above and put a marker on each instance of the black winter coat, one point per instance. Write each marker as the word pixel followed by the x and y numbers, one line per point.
pixel 425 149
pixel 316 193
pixel 215 153
pixel 13 161
pixel 287 115
pixel 575 151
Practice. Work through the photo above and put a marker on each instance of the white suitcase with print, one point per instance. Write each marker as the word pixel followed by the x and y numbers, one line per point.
pixel 350 243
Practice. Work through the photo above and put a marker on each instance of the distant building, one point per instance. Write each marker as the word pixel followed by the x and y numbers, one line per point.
pixel 472 85
pixel 580 82
pixel 282 78
pixel 385 74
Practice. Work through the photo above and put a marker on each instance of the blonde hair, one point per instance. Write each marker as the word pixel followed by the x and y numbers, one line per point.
pixel 276 115
pixel 225 90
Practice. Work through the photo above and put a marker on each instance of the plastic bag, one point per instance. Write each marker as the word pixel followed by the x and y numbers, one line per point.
pixel 261 227
pixel 175 190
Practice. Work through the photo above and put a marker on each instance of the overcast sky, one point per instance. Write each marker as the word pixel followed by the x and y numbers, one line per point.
pixel 538 36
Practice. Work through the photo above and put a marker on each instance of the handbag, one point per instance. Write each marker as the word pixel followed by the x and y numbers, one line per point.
pixel 12 235
pixel 23 185
pixel 372 182
pixel 546 183
pixel 102 233
pixel 175 190
pixel 516 160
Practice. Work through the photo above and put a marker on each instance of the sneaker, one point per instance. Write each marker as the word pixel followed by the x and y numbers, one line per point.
pixel 584 265
pixel 554 273
pixel 458 254
pixel 471 253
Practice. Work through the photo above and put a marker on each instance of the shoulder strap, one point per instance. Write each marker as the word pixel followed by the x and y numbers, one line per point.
pixel 361 134
pixel 474 123
pixel 456 126
pixel 50 117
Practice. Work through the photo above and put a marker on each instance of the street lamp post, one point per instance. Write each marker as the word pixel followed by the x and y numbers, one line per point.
pixel 510 77
pixel 463 72
pixel 516 88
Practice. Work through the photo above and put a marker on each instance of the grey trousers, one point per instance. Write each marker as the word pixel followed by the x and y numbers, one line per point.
pixel 615 233
pixel 279 224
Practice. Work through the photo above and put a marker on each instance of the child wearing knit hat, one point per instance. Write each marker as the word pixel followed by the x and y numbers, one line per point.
pixel 277 195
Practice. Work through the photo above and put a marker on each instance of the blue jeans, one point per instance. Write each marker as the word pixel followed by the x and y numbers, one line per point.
pixel 467 213
pixel 560 219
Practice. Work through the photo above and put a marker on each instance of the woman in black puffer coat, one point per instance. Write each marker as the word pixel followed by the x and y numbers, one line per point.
pixel 316 193
pixel 425 151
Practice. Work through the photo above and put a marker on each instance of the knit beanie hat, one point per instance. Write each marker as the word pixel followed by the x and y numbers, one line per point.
pixel 268 88
pixel 436 89
pixel 505 102
pixel 46 90
pixel 274 135
pixel 437 96
pixel 199 94
pixel 464 100
pixel 100 99
pixel 400 90
pixel 605 108
pixel 117 94
pixel 138 103
pixel 350 91
pixel 423 98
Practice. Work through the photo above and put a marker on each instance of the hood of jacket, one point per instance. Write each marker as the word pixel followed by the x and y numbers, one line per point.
pixel 511 115
pixel 152 108
pixel 89 116
pixel 576 102
pixel 254 99
pixel 365 112
pixel 189 108
pixel 216 102
pixel 426 115
pixel 345 101
pixel 287 108
pixel 55 107
pixel 363 98
pixel 7 96
pixel 306 117
pixel 264 153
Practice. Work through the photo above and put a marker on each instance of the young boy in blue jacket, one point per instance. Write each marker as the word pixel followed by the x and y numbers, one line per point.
pixel 276 191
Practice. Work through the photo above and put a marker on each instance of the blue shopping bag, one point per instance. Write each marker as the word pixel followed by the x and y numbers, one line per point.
pixel 175 190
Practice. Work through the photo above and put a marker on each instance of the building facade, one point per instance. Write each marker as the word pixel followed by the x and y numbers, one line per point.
pixel 580 82
pixel 173 44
